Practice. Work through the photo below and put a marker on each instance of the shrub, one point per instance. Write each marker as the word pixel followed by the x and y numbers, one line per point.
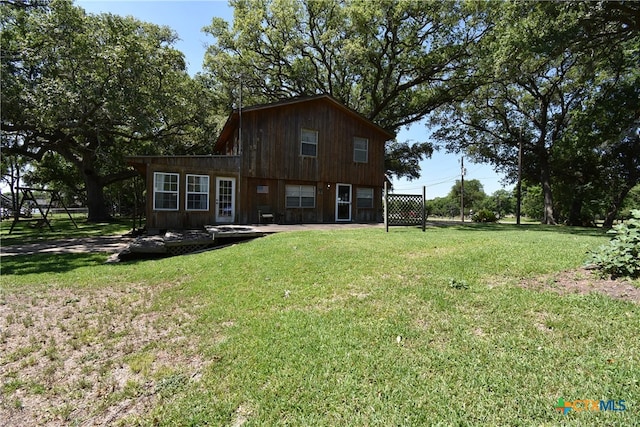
pixel 484 215
pixel 621 257
pixel 458 284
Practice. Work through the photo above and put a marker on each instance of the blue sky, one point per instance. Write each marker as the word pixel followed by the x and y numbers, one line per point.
pixel 187 18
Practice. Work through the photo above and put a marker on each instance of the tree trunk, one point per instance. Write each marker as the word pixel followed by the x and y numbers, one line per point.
pixel 575 211
pixel 98 209
pixel 612 213
pixel 545 180
pixel 14 183
pixel 614 207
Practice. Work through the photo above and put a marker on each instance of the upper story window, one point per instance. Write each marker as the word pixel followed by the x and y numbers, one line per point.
pixel 360 150
pixel 197 193
pixel 165 191
pixel 309 143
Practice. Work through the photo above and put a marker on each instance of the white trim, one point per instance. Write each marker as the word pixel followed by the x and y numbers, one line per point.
pixel 156 190
pixel 360 150
pixel 368 190
pixel 297 191
pixel 342 203
pixel 314 142
pixel 225 208
pixel 206 193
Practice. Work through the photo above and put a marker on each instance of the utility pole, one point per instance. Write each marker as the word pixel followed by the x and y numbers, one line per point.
pixel 462 172
pixel 239 153
pixel 240 119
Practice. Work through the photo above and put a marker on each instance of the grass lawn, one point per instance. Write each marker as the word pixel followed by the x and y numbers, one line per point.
pixel 346 327
pixel 63 227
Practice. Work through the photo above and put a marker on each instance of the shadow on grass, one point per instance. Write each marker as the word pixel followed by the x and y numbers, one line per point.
pixel 473 226
pixel 48 263
pixel 24 232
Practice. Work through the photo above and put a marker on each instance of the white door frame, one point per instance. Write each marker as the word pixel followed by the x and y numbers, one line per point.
pixel 340 203
pixel 225 200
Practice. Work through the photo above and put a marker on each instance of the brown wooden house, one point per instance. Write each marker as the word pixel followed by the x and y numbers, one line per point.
pixel 304 160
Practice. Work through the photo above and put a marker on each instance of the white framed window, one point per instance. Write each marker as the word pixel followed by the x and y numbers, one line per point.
pixel 165 191
pixel 364 197
pixel 309 143
pixel 360 150
pixel 301 196
pixel 197 193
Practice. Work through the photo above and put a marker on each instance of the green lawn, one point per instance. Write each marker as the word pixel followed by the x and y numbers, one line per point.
pixel 63 227
pixel 349 327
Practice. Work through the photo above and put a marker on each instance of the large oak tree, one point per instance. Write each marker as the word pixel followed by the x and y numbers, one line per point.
pixel 544 73
pixel 392 61
pixel 91 89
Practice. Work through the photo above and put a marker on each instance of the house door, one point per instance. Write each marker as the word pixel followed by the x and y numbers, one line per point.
pixel 343 202
pixel 225 200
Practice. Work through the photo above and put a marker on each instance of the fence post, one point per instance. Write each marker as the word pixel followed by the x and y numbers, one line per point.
pixel 424 208
pixel 385 202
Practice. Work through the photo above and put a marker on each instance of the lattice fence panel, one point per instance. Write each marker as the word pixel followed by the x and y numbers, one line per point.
pixel 405 209
pixel 186 249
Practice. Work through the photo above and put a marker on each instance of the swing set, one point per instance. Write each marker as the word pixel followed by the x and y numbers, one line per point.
pixel 28 196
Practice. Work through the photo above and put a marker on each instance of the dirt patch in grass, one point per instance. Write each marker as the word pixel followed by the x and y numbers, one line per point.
pixel 584 281
pixel 89 357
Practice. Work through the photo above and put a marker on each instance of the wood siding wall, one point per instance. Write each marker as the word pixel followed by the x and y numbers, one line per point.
pixel 271 145
pixel 268 195
pixel 272 159
pixel 268 159
pixel 212 166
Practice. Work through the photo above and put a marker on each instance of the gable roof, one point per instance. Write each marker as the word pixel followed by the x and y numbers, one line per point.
pixel 232 121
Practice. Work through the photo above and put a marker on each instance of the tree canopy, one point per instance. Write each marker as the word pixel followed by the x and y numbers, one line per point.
pixel 91 89
pixel 562 80
pixel 392 61
pixel 501 202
